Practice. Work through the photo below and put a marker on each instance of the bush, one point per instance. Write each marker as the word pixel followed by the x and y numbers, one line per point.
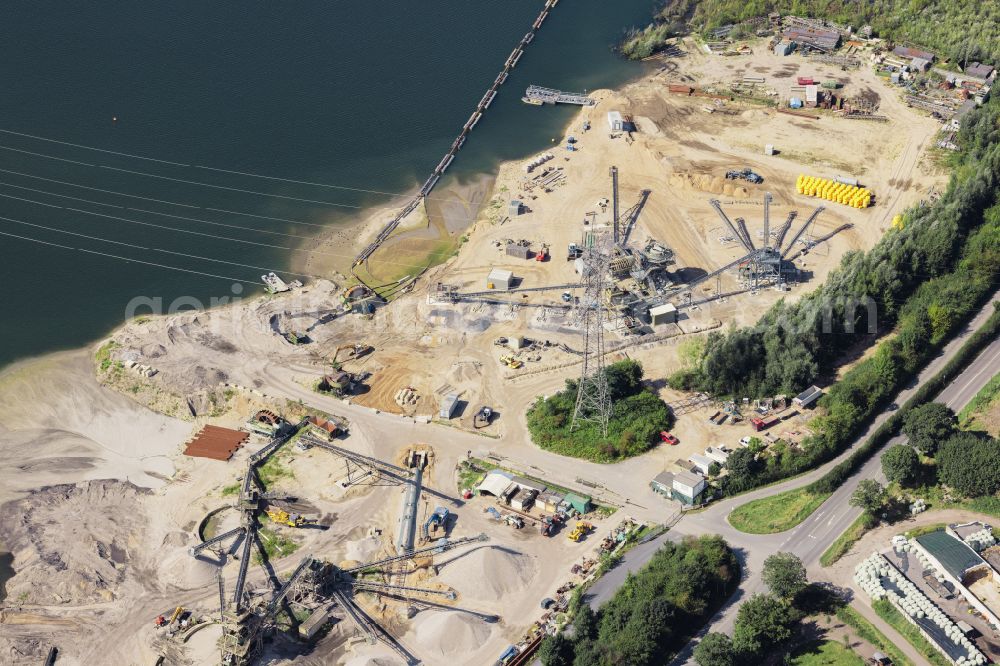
pixel 761 623
pixel 967 462
pixel 655 613
pixel 637 418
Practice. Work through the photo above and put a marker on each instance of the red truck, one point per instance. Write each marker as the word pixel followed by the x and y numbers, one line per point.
pixel 806 81
pixel 760 424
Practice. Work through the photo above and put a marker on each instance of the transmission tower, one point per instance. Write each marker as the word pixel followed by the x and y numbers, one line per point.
pixel 592 401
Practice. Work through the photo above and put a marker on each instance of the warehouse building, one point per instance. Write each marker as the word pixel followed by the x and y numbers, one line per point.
pixel 499 279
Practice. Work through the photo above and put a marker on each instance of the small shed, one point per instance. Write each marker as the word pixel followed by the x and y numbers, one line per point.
pixel 518 251
pixel 794 103
pixel 514 208
pixel 688 487
pixel 807 397
pixel 769 149
pixel 497 484
pixel 784 48
pixel 701 462
pixel 549 501
pixel 499 279
pixel 663 314
pixel 717 454
pixel 524 500
pixel 528 484
pixel 663 483
pixel 516 342
pixel 811 94
pixel 979 71
pixel 615 121
pixel 448 406
pixel 920 65
pixel 581 503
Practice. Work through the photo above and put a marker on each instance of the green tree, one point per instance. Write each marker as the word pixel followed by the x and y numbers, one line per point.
pixel 556 651
pixel 784 574
pixel 901 465
pixel 761 623
pixel 928 425
pixel 868 496
pixel 967 462
pixel 585 622
pixel 715 649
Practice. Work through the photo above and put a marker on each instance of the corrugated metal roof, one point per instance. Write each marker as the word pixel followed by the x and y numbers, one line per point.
pixel 495 483
pixel 954 556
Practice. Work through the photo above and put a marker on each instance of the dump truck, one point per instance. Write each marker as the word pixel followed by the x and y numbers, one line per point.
pixel 762 424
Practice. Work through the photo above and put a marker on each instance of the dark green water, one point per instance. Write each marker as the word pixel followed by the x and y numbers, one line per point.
pixel 350 94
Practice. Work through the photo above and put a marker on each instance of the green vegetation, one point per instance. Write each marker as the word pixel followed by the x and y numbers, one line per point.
pixel 776 513
pixel 907 630
pixel 901 464
pixel 654 614
pixel 230 490
pixel 922 282
pixel 275 543
pixel 639 44
pixel 983 400
pixel 274 469
pixel 825 653
pixel 926 529
pixel 868 632
pixel 637 418
pixel 967 463
pixel 762 623
pixel 784 575
pixel 928 425
pixel 869 496
pixel 470 475
pixel 956 31
pixel 103 355
pixel 846 541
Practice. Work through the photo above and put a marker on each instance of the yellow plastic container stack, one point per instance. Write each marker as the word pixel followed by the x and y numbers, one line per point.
pixel 831 190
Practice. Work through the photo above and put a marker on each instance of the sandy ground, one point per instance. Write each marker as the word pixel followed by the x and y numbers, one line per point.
pixel 90 463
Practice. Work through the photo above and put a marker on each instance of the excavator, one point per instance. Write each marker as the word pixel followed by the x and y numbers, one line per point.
pixel 357 351
pixel 291 519
pixel 511 362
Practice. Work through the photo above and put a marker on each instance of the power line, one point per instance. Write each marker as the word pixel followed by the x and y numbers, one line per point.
pixel 199 233
pixel 467 218
pixel 129 259
pixel 156 249
pixel 202 166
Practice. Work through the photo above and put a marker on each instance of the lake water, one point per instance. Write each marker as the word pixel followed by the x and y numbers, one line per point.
pixel 361 98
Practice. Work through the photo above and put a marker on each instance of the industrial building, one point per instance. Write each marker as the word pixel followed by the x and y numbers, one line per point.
pixel 615 122
pixel 663 314
pixel 700 462
pixel 500 279
pixel 448 406
pixel 807 397
pixel 514 208
pixel 685 487
pixel 908 53
pixel 518 251
pixel 980 71
pixel 813 38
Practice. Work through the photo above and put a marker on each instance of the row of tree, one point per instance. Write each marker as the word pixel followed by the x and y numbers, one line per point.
pixel 923 281
pixel 966 462
pixel 637 417
pixel 655 612
pixel 959 32
pixel 764 621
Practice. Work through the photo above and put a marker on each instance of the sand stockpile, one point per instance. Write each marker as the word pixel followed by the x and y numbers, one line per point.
pixel 189 573
pixel 489 573
pixel 73 543
pixel 451 635
pixel 363 550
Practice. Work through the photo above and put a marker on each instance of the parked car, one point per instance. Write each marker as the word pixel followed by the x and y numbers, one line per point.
pixel 668 438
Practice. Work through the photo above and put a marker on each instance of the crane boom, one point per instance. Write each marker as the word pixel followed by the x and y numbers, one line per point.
pixel 725 218
pixel 801 231
pixel 438 548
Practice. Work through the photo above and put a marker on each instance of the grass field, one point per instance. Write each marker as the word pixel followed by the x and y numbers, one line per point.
pixel 888 612
pixel 846 541
pixel 776 513
pixel 825 653
pixel 980 403
pixel 867 631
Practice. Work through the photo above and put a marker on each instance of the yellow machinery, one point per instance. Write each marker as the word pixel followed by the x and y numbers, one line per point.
pixel 831 190
pixel 177 613
pixel 511 362
pixel 576 534
pixel 291 519
pixel 357 350
pixel 898 223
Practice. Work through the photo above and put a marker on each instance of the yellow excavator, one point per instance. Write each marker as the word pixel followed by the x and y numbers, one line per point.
pixel 357 351
pixel 511 362
pixel 291 519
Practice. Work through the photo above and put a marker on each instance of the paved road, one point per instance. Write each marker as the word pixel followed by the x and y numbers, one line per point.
pixel 812 537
